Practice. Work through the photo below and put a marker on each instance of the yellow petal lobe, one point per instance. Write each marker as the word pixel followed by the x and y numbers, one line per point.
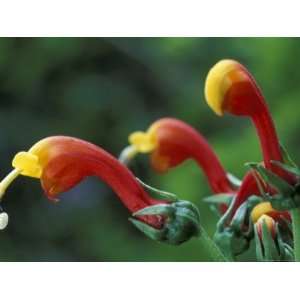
pixel 260 210
pixel 218 81
pixel 144 142
pixel 28 164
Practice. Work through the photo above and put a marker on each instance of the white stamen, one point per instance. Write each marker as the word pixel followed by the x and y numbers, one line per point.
pixel 127 154
pixel 3 220
pixel 8 180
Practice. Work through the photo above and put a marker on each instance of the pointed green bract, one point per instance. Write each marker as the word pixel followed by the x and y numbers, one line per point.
pixel 258 246
pixel 219 199
pixel 236 182
pixel 286 157
pixel 274 180
pixel 239 217
pixel 159 193
pixel 181 222
pixel 270 251
pixel 152 233
pixel 291 169
pixel 159 209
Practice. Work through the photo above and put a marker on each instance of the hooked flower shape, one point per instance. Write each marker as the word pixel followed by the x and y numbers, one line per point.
pixel 229 87
pixel 170 142
pixel 61 162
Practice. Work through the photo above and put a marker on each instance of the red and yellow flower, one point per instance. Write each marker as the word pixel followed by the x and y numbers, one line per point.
pixel 61 162
pixel 231 88
pixel 171 142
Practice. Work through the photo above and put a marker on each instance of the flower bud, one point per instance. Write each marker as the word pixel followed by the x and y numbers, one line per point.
pixel 261 209
pixel 271 225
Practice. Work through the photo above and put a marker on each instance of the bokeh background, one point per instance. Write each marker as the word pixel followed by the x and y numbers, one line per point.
pixel 101 89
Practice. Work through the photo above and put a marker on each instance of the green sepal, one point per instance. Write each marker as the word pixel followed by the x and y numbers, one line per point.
pixel 149 231
pixel 265 247
pixel 222 198
pixel 236 182
pixel 259 183
pixel 286 157
pixel 224 242
pixel 239 217
pixel 181 222
pixel 159 193
pixel 159 209
pixel 216 200
pixel 270 251
pixel 288 168
pixel 285 250
pixel 282 203
pixel 258 246
pixel 272 179
pixel 231 244
pixel 288 253
pixel 234 233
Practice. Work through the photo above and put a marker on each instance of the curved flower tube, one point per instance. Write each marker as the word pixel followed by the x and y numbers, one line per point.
pixel 61 162
pixel 170 142
pixel 231 88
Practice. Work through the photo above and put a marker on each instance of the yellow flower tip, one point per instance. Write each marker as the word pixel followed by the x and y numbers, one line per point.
pixel 219 80
pixel 144 142
pixel 261 209
pixel 28 164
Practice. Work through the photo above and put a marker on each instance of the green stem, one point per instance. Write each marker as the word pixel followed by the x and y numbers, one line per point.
pixel 210 247
pixel 296 232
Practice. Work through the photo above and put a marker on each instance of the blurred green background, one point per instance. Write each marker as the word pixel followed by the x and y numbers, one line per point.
pixel 101 89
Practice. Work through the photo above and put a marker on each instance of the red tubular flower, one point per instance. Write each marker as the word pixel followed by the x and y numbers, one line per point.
pixel 61 162
pixel 230 87
pixel 170 143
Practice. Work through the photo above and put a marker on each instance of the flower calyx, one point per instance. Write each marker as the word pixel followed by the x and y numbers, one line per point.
pixel 181 219
pixel 287 196
pixel 271 241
